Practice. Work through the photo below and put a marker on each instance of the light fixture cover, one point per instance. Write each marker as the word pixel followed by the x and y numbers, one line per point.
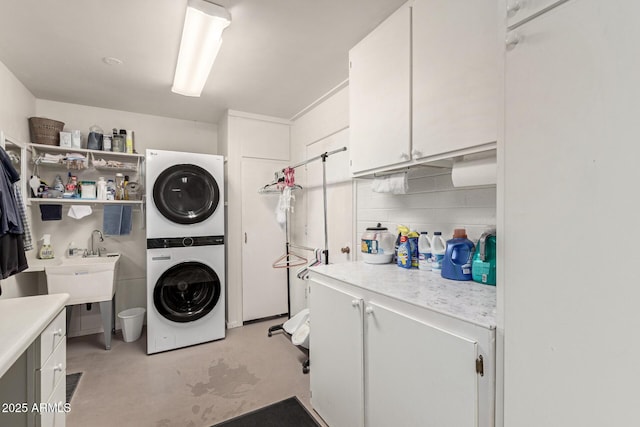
pixel 201 40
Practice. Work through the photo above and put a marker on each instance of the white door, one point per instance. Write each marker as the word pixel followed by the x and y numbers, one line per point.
pixel 571 180
pixel 417 374
pixel 264 288
pixel 339 199
pixel 336 356
pixel 380 94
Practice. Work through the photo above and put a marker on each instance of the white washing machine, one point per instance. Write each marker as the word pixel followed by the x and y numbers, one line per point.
pixel 185 194
pixel 185 292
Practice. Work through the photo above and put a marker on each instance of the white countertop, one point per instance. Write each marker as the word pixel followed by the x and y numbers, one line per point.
pixel 468 300
pixel 22 320
pixel 37 264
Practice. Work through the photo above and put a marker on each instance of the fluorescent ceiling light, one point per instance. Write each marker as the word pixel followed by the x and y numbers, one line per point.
pixel 201 40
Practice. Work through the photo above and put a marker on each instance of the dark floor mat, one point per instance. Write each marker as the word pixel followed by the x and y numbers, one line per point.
pixel 286 413
pixel 72 383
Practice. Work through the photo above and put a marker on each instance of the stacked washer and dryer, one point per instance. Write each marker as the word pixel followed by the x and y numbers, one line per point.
pixel 185 249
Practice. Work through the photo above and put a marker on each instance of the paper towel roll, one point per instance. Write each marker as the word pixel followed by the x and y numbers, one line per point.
pixel 469 173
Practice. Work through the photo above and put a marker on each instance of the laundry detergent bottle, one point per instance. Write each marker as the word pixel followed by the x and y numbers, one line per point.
pixel 404 253
pixel 483 268
pixel 456 264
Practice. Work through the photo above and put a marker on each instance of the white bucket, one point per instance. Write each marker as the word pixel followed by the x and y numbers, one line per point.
pixel 131 321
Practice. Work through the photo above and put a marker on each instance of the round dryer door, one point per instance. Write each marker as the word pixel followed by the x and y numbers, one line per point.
pixel 186 292
pixel 186 194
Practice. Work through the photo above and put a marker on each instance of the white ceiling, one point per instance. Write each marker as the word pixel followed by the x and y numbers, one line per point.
pixel 278 56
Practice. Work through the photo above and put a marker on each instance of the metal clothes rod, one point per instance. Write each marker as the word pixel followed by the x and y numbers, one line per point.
pixel 321 156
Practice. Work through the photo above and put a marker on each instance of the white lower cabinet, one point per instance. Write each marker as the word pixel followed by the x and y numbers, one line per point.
pixel 379 362
pixel 50 371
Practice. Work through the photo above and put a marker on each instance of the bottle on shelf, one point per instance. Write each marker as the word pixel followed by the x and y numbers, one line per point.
pixel 111 190
pixel 125 193
pixel 119 187
pixel 101 189
pixel 129 141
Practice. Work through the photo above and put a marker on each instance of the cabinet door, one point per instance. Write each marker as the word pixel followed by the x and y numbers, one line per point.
pixel 264 288
pixel 455 75
pixel 519 10
pixel 417 374
pixel 571 178
pixel 379 95
pixel 336 356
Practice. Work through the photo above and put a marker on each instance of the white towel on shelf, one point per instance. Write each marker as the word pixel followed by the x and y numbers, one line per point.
pixel 394 184
pixel 79 211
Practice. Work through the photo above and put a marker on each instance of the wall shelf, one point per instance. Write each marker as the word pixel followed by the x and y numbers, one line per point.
pixel 55 148
pixel 53 201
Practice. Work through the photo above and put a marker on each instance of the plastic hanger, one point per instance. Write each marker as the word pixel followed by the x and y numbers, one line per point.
pixel 289 260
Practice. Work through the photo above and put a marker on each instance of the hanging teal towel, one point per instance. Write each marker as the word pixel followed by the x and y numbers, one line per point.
pixel 117 220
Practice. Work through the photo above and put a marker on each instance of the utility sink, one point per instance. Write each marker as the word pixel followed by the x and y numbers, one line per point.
pixel 86 280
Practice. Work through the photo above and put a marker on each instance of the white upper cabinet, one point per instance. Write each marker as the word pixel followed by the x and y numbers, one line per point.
pixel 455 75
pixel 519 10
pixel 380 95
pixel 424 85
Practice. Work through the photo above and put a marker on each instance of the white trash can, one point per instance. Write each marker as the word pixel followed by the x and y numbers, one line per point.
pixel 131 321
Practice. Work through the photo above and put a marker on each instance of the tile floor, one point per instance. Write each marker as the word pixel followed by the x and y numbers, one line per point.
pixel 196 386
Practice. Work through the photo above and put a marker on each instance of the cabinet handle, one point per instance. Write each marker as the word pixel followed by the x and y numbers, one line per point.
pixel 369 310
pixel 513 40
pixel 513 8
pixel 57 332
pixel 355 303
pixel 245 237
pixel 416 153
pixel 404 156
pixel 58 368
pixel 345 250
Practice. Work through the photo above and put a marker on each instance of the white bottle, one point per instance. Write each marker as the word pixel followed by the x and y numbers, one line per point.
pixel 102 189
pixel 438 246
pixel 424 251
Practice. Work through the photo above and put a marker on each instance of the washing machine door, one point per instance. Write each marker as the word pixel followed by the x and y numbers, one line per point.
pixel 186 194
pixel 186 292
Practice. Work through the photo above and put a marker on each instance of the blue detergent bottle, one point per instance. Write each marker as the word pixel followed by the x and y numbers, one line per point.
pixel 456 264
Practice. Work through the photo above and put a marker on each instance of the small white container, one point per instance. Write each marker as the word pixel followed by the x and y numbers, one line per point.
pixel 88 189
pixel 65 139
pixel 76 139
pixel 101 189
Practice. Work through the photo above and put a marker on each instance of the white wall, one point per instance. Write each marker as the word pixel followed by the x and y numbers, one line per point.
pixel 327 117
pixel 150 132
pixel 431 204
pixel 17 104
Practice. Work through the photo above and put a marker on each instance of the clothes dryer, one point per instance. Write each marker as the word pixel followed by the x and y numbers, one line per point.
pixel 185 194
pixel 185 292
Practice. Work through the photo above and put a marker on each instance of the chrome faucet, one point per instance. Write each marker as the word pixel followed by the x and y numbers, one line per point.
pixel 94 252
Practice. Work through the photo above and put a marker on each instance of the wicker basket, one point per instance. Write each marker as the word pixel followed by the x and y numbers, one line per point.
pixel 45 131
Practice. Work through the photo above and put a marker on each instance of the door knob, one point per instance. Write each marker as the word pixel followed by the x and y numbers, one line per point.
pixel 345 250
pixel 368 310
pixel 355 303
pixel 57 332
pixel 416 153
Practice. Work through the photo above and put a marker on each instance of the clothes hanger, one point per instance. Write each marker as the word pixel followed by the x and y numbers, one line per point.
pixel 289 260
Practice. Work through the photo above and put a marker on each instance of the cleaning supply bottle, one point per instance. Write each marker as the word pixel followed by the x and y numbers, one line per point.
pixel 456 264
pixel 413 241
pixel 483 268
pixel 424 251
pixel 101 189
pixel 438 247
pixel 404 253
pixel 402 231
pixel 46 251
